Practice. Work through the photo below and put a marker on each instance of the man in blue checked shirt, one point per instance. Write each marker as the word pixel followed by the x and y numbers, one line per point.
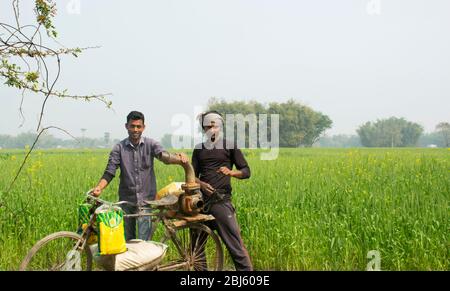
pixel 134 156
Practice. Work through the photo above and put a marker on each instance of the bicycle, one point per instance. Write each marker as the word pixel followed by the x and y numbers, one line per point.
pixel 191 244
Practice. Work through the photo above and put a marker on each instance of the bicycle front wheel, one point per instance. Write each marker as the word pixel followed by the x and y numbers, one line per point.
pixel 58 252
pixel 193 247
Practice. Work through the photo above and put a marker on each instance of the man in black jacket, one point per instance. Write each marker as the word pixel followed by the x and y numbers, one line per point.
pixel 213 165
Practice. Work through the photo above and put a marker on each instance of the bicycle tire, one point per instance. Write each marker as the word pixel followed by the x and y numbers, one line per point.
pixel 183 254
pixel 69 239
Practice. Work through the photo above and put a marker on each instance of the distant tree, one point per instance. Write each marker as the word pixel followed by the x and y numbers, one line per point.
pixel 177 141
pixel 47 141
pixel 299 124
pixel 236 107
pixel 107 138
pixel 339 141
pixel 431 138
pixel 166 141
pixel 5 141
pixel 243 108
pixel 443 129
pixel 391 132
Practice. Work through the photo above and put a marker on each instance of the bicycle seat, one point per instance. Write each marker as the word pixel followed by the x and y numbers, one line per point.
pixel 165 201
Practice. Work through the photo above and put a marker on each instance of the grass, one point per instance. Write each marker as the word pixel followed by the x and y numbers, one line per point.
pixel 310 209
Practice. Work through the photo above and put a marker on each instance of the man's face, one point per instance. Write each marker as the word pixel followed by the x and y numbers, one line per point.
pixel 135 129
pixel 212 130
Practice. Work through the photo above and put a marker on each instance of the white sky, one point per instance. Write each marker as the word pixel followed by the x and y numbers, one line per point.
pixel 170 56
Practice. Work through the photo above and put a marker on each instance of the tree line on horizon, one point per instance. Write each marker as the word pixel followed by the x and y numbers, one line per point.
pixel 48 141
pixel 299 126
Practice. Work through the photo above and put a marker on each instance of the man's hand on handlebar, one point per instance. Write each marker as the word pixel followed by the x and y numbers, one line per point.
pixel 96 191
pixel 99 188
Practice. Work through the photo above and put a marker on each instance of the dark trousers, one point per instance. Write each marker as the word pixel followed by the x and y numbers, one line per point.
pixel 227 226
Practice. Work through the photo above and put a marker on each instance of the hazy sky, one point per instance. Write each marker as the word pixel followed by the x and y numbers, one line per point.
pixel 170 56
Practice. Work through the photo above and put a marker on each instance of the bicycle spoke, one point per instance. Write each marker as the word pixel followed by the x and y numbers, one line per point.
pixel 203 241
pixel 193 247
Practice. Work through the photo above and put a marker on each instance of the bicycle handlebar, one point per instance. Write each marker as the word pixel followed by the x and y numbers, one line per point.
pixel 89 195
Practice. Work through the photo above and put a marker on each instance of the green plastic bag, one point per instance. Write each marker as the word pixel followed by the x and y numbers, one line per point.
pixel 83 221
pixel 83 213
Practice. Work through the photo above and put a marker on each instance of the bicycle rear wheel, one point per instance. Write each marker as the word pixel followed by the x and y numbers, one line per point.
pixel 58 252
pixel 193 247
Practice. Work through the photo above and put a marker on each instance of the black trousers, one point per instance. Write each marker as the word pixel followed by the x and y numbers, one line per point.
pixel 227 226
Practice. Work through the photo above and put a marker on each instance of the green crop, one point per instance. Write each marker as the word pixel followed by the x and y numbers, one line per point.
pixel 310 209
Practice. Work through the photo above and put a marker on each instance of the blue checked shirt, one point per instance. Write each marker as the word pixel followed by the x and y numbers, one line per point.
pixel 137 177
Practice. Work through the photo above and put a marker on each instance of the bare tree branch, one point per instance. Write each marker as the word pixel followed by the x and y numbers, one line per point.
pixel 23 46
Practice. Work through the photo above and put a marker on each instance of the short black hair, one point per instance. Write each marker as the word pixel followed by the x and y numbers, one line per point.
pixel 202 116
pixel 135 115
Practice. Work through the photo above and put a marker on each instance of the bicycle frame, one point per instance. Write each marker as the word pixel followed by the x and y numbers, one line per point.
pixel 159 214
pixel 180 228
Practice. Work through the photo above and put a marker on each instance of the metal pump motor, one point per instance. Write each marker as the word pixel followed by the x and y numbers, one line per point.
pixel 190 202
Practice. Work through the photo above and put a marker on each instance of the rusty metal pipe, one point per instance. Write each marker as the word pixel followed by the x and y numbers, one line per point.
pixel 190 202
pixel 171 159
